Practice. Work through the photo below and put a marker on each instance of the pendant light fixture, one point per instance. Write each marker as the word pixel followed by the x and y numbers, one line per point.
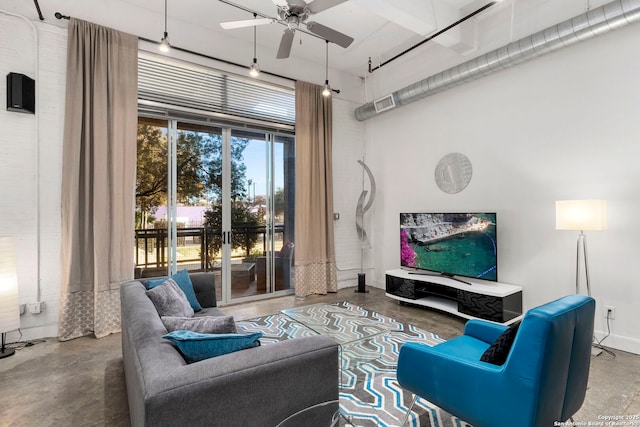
pixel 326 90
pixel 164 42
pixel 254 69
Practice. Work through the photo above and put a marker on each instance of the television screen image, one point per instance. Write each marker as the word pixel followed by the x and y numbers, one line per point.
pixel 460 244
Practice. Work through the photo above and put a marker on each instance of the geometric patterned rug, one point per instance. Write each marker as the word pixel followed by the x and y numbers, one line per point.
pixel 369 392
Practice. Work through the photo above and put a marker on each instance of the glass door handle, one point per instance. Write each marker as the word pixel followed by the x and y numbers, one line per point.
pixel 226 237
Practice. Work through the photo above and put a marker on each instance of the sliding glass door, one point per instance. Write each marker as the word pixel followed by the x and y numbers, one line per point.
pixel 151 198
pixel 216 199
pixel 262 218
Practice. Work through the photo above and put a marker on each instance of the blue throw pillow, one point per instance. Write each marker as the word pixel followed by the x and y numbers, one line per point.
pixel 195 346
pixel 183 281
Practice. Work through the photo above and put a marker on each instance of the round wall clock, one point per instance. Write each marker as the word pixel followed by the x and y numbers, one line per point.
pixel 453 173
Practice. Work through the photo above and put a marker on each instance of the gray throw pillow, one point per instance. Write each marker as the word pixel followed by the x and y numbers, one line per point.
pixel 170 300
pixel 203 324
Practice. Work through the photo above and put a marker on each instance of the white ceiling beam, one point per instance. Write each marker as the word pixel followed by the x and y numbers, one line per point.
pixel 414 15
pixel 461 38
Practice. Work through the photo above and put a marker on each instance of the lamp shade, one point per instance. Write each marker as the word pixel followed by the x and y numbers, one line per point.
pixel 581 215
pixel 9 303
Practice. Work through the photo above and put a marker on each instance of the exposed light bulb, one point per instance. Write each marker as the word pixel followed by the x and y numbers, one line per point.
pixel 164 43
pixel 254 69
pixel 326 90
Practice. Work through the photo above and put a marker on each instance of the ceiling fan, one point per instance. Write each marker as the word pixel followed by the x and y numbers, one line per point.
pixel 292 13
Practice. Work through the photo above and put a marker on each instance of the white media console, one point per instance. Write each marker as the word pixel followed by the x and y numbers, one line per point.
pixel 476 299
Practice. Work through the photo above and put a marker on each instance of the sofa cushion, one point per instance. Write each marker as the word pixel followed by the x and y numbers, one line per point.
pixel 203 324
pixel 183 280
pixel 195 346
pixel 169 300
pixel 497 352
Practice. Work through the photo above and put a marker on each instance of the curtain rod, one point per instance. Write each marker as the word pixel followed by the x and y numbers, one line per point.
pixel 59 15
pixel 38 10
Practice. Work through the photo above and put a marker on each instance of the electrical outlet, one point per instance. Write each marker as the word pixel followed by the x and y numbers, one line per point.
pixel 609 312
pixel 36 307
pixel 23 309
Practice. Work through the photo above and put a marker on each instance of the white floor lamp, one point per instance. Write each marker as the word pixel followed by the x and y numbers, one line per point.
pixel 9 302
pixel 582 215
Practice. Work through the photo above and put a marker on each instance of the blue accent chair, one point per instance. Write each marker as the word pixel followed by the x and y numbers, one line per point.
pixel 544 378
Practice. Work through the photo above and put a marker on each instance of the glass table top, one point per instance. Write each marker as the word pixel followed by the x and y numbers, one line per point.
pixel 343 325
pixel 356 334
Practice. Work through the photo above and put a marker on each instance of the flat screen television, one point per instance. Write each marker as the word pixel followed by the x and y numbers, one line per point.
pixel 450 244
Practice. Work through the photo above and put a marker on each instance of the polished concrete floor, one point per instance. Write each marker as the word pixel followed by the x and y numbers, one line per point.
pixel 81 382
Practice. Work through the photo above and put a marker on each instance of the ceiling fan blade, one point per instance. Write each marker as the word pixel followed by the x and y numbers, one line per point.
pixel 299 3
pixel 280 3
pixel 319 5
pixel 330 34
pixel 285 44
pixel 229 25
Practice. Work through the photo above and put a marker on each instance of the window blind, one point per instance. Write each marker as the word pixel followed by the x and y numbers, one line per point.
pixel 167 82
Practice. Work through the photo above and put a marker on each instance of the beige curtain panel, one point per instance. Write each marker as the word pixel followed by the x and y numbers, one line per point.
pixel 315 264
pixel 98 178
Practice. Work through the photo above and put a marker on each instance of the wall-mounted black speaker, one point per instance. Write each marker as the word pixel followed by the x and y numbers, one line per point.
pixel 21 93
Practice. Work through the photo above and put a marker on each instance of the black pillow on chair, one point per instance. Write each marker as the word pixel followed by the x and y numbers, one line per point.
pixel 497 353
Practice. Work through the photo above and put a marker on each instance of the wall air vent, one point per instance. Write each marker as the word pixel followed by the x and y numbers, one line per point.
pixel 384 103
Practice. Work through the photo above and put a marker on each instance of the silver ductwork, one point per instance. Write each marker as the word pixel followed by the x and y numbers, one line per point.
pixel 601 20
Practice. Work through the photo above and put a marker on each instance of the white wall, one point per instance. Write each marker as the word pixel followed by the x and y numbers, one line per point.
pixel 564 126
pixel 30 167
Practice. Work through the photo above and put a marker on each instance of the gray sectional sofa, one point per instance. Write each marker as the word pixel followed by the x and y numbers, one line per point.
pixel 258 386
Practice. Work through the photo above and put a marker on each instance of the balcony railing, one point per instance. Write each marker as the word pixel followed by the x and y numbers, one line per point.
pixel 196 246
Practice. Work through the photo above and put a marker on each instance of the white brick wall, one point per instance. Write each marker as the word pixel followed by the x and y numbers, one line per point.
pixel 348 148
pixel 30 152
